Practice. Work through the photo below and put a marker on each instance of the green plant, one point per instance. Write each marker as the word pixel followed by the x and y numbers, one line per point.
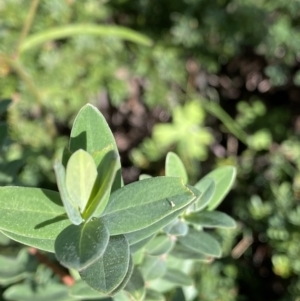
pixel 118 238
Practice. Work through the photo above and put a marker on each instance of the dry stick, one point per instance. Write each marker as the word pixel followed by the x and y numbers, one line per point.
pixel 27 25
pixel 65 277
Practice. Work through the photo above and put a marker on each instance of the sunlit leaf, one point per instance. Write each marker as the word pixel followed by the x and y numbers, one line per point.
pixel 77 247
pixel 72 208
pixel 140 204
pixel 207 188
pixel 81 174
pixel 175 168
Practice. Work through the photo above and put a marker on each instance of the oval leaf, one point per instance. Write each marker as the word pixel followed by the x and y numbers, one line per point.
pixel 177 228
pixel 175 168
pixel 91 132
pixel 152 267
pixel 39 214
pixel 140 204
pixel 177 277
pixel 80 290
pixel 202 242
pixel 81 174
pixel 77 247
pixel 136 286
pixel 211 219
pixel 159 245
pixel 224 178
pixel 71 208
pixel 182 252
pixel 207 187
pixel 108 272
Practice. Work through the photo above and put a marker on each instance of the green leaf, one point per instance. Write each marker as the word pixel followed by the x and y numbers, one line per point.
pixel 91 132
pixel 152 267
pixel 159 245
pixel 137 246
pixel 140 204
pixel 208 188
pixel 152 295
pixel 202 242
pixel 136 286
pixel 211 219
pixel 175 168
pixel 101 192
pixel 137 236
pixel 177 228
pixel 177 277
pixel 81 174
pixel 27 292
pixel 126 279
pixel 13 269
pixel 182 252
pixel 80 290
pixel 144 176
pixel 71 208
pixel 108 272
pixel 224 178
pixel 38 215
pixel 84 29
pixel 66 155
pixel 77 247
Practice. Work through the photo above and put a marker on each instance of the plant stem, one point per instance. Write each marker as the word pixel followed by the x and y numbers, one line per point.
pixel 27 25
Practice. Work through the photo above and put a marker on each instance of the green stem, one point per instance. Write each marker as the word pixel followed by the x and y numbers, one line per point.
pixel 27 25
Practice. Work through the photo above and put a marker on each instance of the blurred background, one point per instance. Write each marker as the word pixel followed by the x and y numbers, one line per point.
pixel 217 82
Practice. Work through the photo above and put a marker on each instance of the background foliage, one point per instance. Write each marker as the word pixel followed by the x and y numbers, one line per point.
pixel 219 85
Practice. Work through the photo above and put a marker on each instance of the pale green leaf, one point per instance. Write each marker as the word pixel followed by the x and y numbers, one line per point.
pixel 38 215
pixel 101 192
pixel 77 247
pixel 177 277
pixel 175 168
pixel 182 252
pixel 80 290
pixel 137 246
pixel 141 204
pixel 81 174
pixel 159 245
pixel 224 178
pixel 208 188
pixel 201 242
pixel 83 29
pixel 72 208
pixel 136 286
pixel 91 132
pixel 152 295
pixel 177 228
pixel 211 219
pixel 152 267
pixel 108 272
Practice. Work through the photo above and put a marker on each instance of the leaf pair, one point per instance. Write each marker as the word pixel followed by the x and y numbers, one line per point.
pixel 82 187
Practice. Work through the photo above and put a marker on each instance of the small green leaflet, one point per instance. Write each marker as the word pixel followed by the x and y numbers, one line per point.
pixel 71 208
pixel 81 174
pixel 175 168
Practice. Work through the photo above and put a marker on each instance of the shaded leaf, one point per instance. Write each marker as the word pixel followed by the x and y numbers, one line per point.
pixel 178 277
pixel 202 242
pixel 152 267
pixel 108 272
pixel 207 188
pixel 137 246
pixel 177 228
pixel 224 178
pixel 91 132
pixel 77 247
pixel 175 168
pixel 81 174
pixel 152 295
pixel 71 208
pixel 159 245
pixel 136 286
pixel 80 290
pixel 39 214
pixel 182 252
pixel 211 219
pixel 140 204
pixel 102 188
